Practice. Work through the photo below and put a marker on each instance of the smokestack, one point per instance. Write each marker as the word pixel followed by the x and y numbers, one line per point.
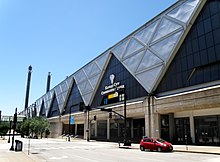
pixel 28 87
pixel 48 82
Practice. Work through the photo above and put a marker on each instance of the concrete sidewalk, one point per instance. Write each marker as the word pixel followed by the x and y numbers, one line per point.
pixel 11 156
pixel 198 149
pixel 22 156
pixel 187 148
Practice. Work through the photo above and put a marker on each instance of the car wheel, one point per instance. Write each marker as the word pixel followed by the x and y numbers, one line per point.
pixel 159 149
pixel 142 148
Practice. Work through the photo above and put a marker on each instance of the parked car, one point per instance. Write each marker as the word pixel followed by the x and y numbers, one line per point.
pixel 157 144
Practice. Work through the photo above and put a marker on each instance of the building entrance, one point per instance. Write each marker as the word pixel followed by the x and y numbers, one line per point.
pixel 207 130
pixel 182 129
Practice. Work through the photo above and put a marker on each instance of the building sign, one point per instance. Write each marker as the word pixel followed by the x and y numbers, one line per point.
pixel 72 120
pixel 113 87
pixel 113 95
pixel 112 92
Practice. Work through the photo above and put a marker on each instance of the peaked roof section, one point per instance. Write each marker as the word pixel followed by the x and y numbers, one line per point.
pixel 147 52
pixel 53 109
pixel 88 76
pixel 42 111
pixel 60 90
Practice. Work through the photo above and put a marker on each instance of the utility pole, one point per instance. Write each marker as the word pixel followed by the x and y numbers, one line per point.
pixel 14 127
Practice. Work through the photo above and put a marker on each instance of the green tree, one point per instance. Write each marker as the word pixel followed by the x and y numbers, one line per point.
pixel 3 130
pixel 36 126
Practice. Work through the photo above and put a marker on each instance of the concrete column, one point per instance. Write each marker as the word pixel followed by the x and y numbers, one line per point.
pixel 192 126
pixel 96 130
pixel 171 126
pixel 154 120
pixel 85 126
pixel 132 129
pixel 147 117
pixel 75 129
pixel 56 129
pixel 108 129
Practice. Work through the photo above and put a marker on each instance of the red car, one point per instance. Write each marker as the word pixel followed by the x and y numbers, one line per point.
pixel 157 144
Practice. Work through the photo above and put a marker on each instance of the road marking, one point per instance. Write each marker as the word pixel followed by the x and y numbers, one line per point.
pixel 58 158
pixel 85 158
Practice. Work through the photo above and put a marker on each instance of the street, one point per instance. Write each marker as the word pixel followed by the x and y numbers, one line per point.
pixel 57 150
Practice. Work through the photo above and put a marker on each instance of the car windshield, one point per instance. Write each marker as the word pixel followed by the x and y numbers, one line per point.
pixel 160 140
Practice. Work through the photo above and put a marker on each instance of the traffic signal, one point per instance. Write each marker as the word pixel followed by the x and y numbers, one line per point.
pixel 110 115
pixel 95 117
pixel 88 108
pixel 81 106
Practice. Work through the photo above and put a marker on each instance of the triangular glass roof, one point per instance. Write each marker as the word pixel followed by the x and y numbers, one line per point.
pixel 60 91
pixel 87 77
pixel 42 111
pixel 146 53
pixel 54 109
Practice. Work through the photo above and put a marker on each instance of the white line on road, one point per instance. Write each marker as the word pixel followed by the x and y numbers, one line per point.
pixel 85 158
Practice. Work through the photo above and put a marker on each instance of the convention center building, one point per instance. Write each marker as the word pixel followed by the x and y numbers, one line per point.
pixel 162 80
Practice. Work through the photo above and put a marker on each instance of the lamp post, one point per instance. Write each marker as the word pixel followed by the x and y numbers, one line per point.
pixel 69 121
pixel 9 132
pixel 126 142
pixel 14 127
pixel 88 108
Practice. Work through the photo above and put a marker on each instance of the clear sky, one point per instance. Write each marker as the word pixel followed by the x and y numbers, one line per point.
pixel 60 36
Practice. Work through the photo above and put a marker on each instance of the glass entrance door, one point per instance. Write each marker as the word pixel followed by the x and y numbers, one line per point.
pixel 207 130
pixel 182 129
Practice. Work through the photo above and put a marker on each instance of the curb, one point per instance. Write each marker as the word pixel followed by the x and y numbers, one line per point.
pixel 199 152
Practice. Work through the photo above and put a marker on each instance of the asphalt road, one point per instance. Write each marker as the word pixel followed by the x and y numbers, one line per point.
pixel 83 151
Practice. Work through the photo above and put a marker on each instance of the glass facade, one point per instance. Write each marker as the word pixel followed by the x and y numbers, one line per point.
pixel 198 59
pixel 138 62
pixel 207 130
pixel 54 110
pixel 133 88
pixel 182 131
pixel 74 100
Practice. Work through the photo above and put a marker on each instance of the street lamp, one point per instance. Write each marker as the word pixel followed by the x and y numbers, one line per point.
pixel 14 127
pixel 126 142
pixel 69 121
pixel 88 108
pixel 9 132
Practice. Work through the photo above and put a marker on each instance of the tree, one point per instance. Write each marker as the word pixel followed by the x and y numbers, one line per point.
pixel 36 126
pixel 3 130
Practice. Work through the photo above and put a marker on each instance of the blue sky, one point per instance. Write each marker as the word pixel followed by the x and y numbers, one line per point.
pixel 60 36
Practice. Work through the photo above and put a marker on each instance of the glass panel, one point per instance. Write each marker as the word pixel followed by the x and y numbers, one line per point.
pixel 88 88
pixel 166 46
pixel 145 34
pixel 68 81
pixel 81 86
pixel 184 11
pixel 86 98
pixel 63 86
pixel 80 76
pixel 119 49
pixel 148 78
pixel 101 61
pixel 92 69
pixel 133 62
pixel 94 80
pixel 148 60
pixel 132 47
pixel 57 90
pixel 165 27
